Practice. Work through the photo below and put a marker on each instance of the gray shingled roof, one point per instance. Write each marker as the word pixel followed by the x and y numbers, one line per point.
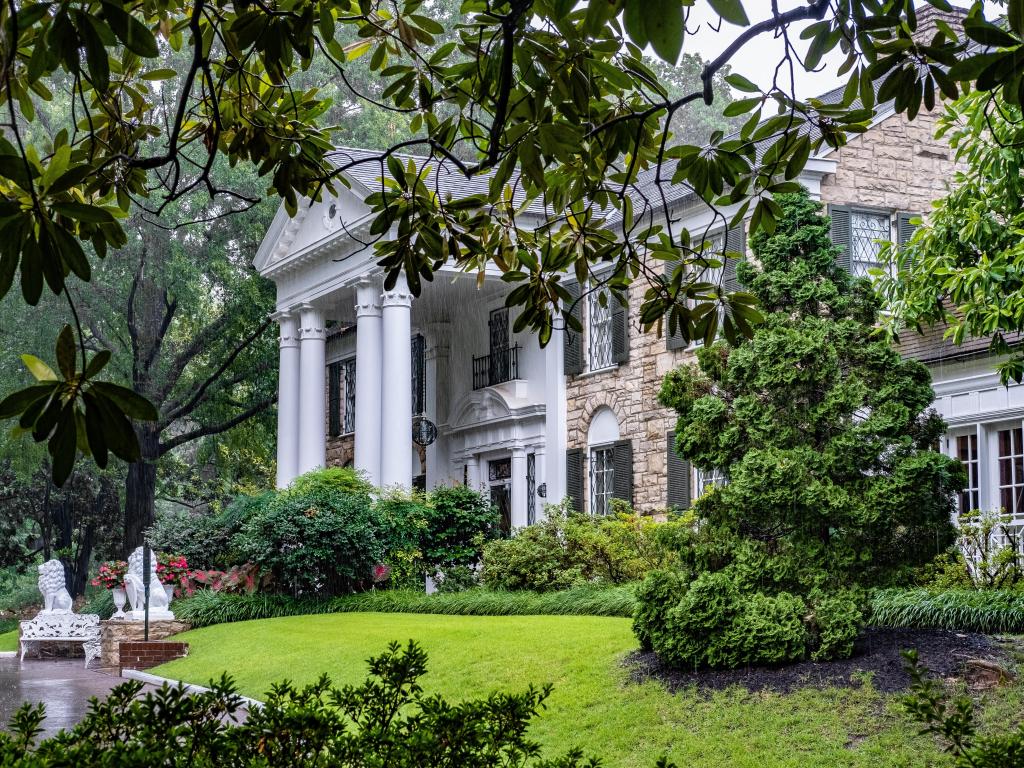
pixel 444 176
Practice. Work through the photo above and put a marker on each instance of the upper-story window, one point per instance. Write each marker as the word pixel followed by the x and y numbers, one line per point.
pixel 600 351
pixel 867 232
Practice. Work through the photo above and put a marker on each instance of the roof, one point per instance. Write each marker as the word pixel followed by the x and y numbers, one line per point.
pixel 931 346
pixel 444 176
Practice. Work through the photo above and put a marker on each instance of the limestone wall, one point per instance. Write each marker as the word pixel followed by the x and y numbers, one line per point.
pixel 896 164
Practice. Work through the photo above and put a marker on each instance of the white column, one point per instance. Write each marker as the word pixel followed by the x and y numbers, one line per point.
pixel 312 397
pixel 368 381
pixel 554 416
pixel 518 500
pixel 288 399
pixel 473 473
pixel 396 371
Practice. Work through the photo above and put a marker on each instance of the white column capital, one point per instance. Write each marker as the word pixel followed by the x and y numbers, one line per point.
pixel 288 322
pixel 399 295
pixel 312 323
pixel 518 452
pixel 368 297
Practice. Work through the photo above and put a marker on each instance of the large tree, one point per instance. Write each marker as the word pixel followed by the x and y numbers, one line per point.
pixel 556 89
pixel 822 432
pixel 963 268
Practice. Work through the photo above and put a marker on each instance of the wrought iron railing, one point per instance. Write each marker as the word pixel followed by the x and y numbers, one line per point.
pixel 499 366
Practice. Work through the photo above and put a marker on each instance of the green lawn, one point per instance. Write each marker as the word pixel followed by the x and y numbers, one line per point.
pixel 9 640
pixel 593 705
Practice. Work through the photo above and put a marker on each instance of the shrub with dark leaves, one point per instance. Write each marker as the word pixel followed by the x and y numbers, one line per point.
pixel 385 721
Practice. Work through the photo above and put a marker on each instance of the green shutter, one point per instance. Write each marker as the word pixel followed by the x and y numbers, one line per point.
pixel 904 229
pixel 678 471
pixel 574 477
pixel 573 349
pixel 334 398
pixel 672 340
pixel 622 471
pixel 620 332
pixel 841 233
pixel 735 242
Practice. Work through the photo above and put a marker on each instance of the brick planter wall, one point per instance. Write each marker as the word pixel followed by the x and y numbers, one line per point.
pixel 114 632
pixel 140 654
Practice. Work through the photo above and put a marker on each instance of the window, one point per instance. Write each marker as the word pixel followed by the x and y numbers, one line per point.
pixel 600 343
pixel 712 275
pixel 531 488
pixel 705 479
pixel 866 230
pixel 602 479
pixel 1011 470
pixel 967 452
pixel 342 397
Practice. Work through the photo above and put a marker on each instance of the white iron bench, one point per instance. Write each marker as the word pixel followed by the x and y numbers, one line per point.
pixel 81 628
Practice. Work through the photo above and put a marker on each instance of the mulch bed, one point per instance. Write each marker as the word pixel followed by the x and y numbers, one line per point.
pixel 876 655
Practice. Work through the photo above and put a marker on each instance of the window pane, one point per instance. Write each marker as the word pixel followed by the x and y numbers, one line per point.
pixel 866 230
pixel 600 335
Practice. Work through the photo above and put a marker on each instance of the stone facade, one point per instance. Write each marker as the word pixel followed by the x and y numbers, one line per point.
pixel 341 450
pixel 896 165
pixel 631 392
pixel 115 632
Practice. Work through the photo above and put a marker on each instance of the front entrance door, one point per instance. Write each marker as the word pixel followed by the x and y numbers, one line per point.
pixel 501 497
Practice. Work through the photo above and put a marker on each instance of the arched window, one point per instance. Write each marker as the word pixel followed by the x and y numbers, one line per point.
pixel 602 443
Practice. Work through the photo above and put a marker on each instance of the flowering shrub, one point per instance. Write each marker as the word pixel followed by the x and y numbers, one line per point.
pixel 171 569
pixel 238 580
pixel 111 574
pixel 381 573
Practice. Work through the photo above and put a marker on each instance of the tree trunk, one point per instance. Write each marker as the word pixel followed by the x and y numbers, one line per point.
pixel 140 489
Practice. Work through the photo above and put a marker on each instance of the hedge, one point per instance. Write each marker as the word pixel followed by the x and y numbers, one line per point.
pixel 965 610
pixel 206 608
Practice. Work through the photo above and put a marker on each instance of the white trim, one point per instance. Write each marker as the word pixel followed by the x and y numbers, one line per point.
pixel 146 677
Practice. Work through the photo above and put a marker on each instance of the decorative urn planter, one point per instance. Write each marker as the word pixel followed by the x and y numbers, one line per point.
pixel 169 591
pixel 120 596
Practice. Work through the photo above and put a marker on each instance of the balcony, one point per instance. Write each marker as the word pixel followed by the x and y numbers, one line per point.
pixel 500 366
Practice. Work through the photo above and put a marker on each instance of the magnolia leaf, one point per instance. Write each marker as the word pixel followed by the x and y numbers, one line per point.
pixel 66 352
pixel 39 369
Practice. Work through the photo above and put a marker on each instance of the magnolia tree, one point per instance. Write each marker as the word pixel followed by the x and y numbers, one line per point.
pixel 550 99
pixel 964 266
pixel 823 436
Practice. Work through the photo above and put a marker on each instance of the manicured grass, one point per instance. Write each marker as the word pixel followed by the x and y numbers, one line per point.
pixel 9 640
pixel 594 705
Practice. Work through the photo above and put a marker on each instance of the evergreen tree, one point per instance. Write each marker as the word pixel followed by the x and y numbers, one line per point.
pixel 825 437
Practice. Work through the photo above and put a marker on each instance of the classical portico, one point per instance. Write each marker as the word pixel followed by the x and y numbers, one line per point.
pixel 363 362
pixel 383 412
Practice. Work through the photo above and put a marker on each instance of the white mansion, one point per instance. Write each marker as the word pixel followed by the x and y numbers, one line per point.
pixel 438 389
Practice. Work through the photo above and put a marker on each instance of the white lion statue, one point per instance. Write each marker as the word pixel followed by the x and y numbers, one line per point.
pixel 136 588
pixel 56 598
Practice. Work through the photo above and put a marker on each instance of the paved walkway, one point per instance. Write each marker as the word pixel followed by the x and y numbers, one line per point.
pixel 63 685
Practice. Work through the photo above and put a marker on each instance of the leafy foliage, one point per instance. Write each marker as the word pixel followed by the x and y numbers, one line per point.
pixel 954 723
pixel 963 610
pixel 318 540
pixel 387 719
pixel 962 267
pixel 822 435
pixel 567 549
pixel 557 91
pixel 206 540
pixel 207 608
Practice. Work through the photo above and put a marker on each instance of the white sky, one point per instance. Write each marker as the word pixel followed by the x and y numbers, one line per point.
pixel 758 58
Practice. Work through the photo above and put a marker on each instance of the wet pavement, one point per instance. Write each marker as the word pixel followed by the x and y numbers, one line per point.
pixel 64 685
